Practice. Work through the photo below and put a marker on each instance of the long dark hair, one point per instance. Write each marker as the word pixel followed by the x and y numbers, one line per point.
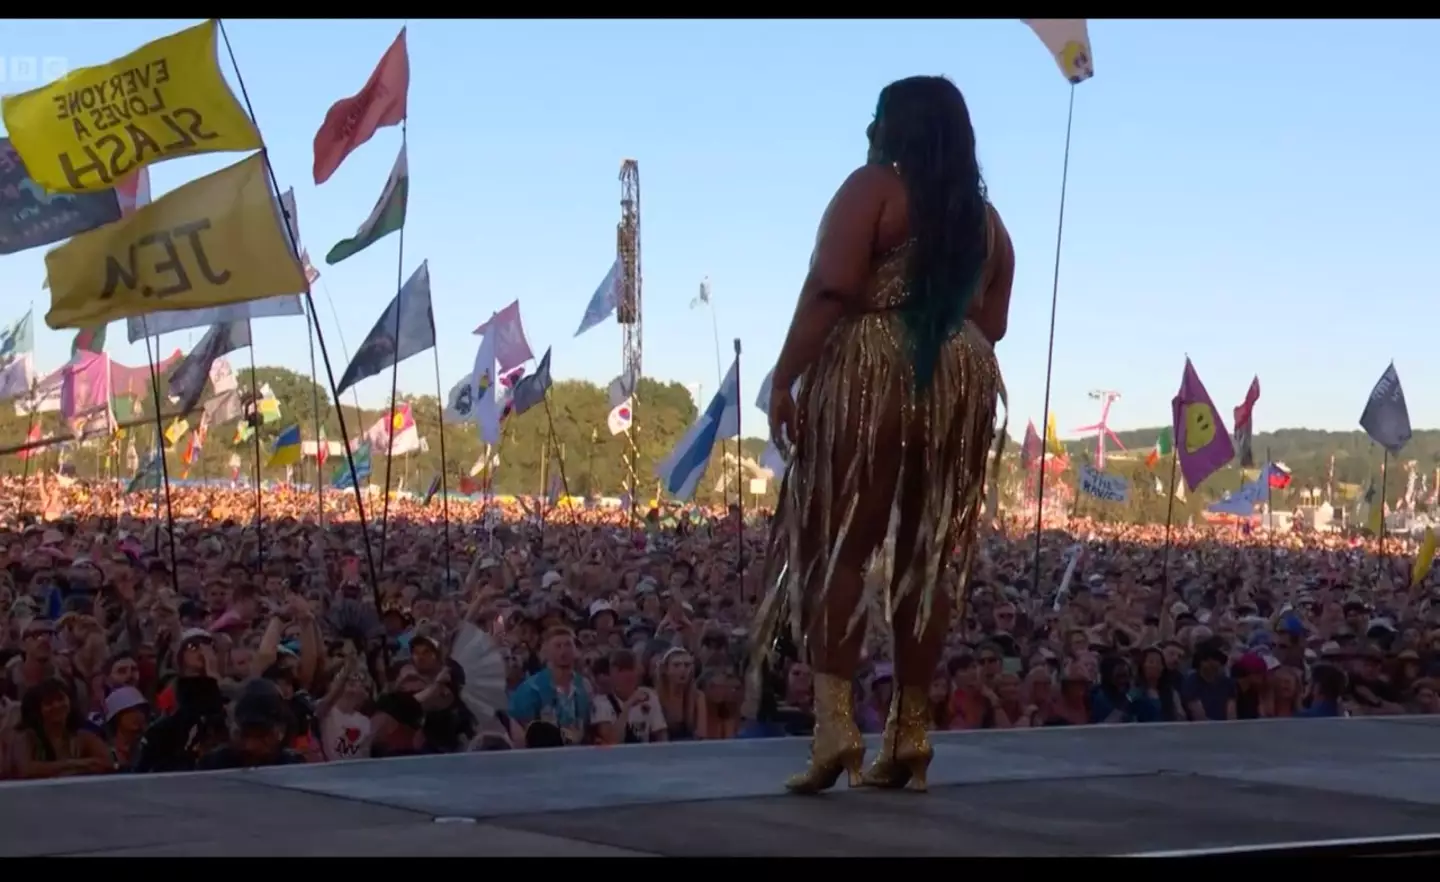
pixel 922 127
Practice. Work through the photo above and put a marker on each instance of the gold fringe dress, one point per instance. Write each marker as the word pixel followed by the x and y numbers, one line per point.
pixel 843 404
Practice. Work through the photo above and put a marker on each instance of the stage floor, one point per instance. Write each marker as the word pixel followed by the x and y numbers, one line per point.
pixel 1107 790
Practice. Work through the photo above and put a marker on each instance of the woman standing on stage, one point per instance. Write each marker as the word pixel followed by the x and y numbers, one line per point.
pixel 891 363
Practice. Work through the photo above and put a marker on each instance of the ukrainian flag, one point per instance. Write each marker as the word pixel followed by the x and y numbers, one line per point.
pixel 286 451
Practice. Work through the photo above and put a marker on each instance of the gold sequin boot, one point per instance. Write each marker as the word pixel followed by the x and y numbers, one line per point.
pixel 905 753
pixel 837 746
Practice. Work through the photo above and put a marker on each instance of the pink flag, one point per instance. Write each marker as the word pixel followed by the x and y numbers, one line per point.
pixel 128 382
pixel 1202 444
pixel 511 347
pixel 85 386
pixel 353 121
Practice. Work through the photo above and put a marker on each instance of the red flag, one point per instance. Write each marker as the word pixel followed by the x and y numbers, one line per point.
pixel 31 438
pixel 469 486
pixel 353 121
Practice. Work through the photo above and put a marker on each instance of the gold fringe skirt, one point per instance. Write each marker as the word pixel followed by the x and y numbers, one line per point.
pixel 860 426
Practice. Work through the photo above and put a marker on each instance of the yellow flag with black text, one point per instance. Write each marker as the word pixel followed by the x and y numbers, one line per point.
pixel 215 241
pixel 93 126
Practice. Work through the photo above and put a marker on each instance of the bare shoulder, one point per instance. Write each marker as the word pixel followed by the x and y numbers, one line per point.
pixel 865 190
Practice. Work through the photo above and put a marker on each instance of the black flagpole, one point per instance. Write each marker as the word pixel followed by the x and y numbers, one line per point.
pixel 739 472
pixel 395 371
pixel 1050 351
pixel 444 462
pixel 160 453
pixel 319 339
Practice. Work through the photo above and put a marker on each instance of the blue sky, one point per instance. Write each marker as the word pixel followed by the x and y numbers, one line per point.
pixel 1258 194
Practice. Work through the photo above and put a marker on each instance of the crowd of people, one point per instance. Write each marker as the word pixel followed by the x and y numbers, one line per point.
pixel 530 629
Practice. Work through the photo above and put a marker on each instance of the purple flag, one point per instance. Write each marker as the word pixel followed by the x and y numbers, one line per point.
pixel 1201 441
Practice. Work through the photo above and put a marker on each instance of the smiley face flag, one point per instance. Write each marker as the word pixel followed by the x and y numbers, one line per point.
pixel 1202 444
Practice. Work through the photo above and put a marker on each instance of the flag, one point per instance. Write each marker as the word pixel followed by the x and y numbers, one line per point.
pixel 18 339
pixel 511 347
pixel 383 347
pixel 1032 450
pixel 1201 442
pixel 192 447
pixel 1424 557
pixel 1242 502
pixel 460 402
pixel 620 418
pixel 352 121
pixel 148 478
pixel 90 339
pixel 17 377
pixel 1164 446
pixel 286 451
pixel 166 99
pixel 361 456
pixel 1068 40
pixel 469 486
pixel 128 382
pixel 484 391
pixel 222 375
pixel 604 301
pixel 187 383
pixel 235 251
pixel 556 490
pixel 168 322
pixel 1052 438
pixel 1243 429
pixel 44 396
pixel 178 427
pixel 434 488
pixel 1386 419
pixel 531 390
pixel 703 298
pixel 85 388
pixel 31 217
pixel 31 437
pixel 223 408
pixel 133 191
pixel 243 432
pixel 1278 476
pixel 322 449
pixel 387 217
pixel 682 470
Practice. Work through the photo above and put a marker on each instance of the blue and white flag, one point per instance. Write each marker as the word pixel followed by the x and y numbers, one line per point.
pixel 485 402
pixel 18 339
pixel 604 301
pixel 682 470
pixel 1243 501
pixel 188 381
pixel 1386 418
pixel 383 346
pixel 531 389
pixel 362 467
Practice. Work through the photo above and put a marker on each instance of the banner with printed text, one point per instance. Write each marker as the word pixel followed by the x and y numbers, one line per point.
pixel 30 217
pixel 1110 488
pixel 95 125
pixel 215 241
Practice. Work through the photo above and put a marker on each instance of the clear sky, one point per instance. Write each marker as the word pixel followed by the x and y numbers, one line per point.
pixel 1258 194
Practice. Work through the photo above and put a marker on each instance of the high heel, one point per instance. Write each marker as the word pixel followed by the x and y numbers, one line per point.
pixel 905 754
pixel 837 746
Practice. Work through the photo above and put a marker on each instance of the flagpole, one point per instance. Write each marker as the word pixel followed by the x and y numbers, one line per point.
pixel 320 339
pixel 444 461
pixel 25 474
pixel 739 473
pixel 164 467
pixel 1384 479
pixel 319 432
pixel 564 481
pixel 259 496
pixel 1269 514
pixel 1050 350
pixel 1169 518
pixel 395 370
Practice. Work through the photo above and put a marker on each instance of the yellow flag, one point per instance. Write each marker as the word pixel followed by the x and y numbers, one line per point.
pixel 1052 438
pixel 177 430
pixel 1068 40
pixel 1423 558
pixel 215 241
pixel 1376 521
pixel 93 126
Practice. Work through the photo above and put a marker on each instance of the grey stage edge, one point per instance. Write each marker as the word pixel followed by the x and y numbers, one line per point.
pixel 1105 790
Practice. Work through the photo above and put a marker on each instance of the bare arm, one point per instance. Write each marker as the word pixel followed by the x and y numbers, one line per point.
pixel 839 269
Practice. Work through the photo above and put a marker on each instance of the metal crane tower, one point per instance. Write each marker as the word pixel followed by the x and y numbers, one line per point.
pixel 629 310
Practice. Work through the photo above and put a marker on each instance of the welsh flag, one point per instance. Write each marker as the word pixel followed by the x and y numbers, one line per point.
pixel 1164 446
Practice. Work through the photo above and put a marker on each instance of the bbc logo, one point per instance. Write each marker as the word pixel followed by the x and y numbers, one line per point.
pixel 32 70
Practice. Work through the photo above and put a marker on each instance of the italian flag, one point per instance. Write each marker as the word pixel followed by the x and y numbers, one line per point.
pixel 1163 447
